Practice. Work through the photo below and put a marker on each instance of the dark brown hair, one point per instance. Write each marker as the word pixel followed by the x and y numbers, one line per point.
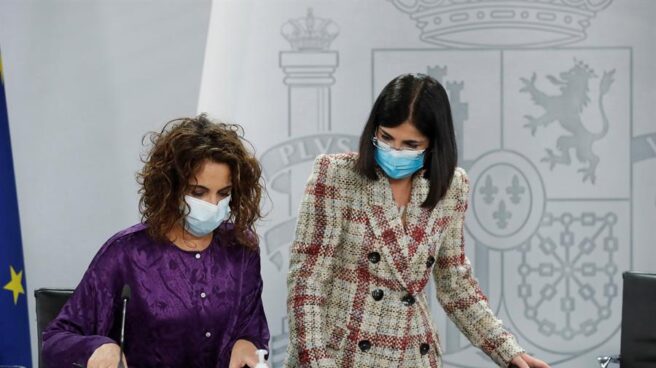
pixel 176 155
pixel 423 101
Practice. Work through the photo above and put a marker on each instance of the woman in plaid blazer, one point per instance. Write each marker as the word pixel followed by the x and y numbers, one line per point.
pixel 372 228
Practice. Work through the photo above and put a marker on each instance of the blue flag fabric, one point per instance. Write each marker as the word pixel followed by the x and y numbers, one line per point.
pixel 14 324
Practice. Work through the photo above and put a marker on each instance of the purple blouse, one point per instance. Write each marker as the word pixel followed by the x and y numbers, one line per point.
pixel 187 308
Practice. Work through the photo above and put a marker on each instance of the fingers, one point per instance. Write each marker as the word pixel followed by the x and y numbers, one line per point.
pixel 518 362
pixel 104 356
pixel 239 363
pixel 251 361
pixel 534 362
pixel 522 364
pixel 537 363
pixel 244 361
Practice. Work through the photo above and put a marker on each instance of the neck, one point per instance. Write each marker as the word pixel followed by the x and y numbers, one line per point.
pixel 186 240
pixel 405 182
pixel 401 189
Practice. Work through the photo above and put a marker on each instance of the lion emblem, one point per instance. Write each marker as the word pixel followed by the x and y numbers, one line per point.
pixel 566 108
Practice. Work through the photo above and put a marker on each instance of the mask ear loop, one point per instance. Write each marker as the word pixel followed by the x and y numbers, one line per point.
pixel 229 214
pixel 381 145
pixel 374 138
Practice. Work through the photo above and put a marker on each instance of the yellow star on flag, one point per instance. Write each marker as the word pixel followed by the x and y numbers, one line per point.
pixel 16 284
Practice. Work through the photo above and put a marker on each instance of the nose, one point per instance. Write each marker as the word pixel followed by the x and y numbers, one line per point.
pixel 212 198
pixel 396 148
pixel 392 144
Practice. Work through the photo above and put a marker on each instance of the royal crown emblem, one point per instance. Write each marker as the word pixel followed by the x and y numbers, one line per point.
pixel 501 23
pixel 310 33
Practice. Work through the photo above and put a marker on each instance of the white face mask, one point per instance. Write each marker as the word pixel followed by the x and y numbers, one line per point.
pixel 204 217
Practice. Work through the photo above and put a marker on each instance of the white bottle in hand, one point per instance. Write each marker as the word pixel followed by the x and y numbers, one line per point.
pixel 261 361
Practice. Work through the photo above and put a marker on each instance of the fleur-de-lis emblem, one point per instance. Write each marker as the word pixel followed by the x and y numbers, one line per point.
pixel 488 190
pixel 515 190
pixel 502 215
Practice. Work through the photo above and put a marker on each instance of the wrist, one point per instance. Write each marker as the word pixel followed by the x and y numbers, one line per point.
pixel 243 344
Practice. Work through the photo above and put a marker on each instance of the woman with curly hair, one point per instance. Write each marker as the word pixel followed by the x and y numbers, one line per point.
pixel 192 264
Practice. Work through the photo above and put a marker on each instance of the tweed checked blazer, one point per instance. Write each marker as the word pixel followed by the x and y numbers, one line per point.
pixel 357 275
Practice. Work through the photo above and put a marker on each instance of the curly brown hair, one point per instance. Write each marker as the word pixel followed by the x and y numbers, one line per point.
pixel 176 155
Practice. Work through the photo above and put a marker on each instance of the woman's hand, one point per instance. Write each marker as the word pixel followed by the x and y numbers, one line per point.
pixel 106 356
pixel 527 361
pixel 243 353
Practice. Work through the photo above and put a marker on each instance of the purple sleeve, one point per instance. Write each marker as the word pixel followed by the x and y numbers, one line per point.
pixel 251 321
pixel 85 320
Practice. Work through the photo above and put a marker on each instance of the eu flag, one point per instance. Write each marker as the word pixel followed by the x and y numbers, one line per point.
pixel 14 325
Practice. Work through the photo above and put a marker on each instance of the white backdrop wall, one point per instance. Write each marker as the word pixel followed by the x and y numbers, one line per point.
pixel 86 79
pixel 549 237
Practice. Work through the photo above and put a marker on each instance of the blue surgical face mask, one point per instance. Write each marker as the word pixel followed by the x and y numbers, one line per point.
pixel 398 164
pixel 205 217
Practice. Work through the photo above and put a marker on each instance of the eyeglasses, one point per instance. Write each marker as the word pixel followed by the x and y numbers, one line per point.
pixel 387 148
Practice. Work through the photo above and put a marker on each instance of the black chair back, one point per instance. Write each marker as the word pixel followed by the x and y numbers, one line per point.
pixel 638 342
pixel 48 304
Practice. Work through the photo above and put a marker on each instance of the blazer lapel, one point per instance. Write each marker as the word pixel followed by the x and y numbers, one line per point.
pixel 386 225
pixel 417 218
pixel 400 245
